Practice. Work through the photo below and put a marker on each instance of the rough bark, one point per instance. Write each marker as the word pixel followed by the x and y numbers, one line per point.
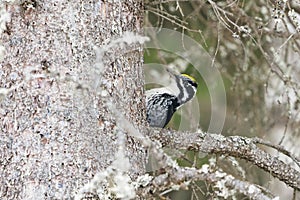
pixel 56 129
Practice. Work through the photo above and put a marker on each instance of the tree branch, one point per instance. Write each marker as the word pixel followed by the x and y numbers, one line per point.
pixel 220 180
pixel 236 146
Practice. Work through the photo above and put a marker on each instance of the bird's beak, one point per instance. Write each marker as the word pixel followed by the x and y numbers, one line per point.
pixel 171 72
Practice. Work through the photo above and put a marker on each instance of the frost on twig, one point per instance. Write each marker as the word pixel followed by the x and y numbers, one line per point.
pixel 224 185
pixel 114 181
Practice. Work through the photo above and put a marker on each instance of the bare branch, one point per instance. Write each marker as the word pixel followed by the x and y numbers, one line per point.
pixel 236 146
pixel 182 176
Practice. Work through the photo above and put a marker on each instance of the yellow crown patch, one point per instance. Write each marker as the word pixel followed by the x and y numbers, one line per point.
pixel 193 79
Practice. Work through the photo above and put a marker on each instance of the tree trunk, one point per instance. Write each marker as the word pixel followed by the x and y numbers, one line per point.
pixel 60 73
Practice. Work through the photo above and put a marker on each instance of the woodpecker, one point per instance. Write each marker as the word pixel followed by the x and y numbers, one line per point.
pixel 162 103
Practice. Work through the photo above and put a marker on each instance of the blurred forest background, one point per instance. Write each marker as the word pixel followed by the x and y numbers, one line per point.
pixel 256 47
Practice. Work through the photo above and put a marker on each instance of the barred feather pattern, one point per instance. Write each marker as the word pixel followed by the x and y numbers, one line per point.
pixel 163 102
pixel 160 109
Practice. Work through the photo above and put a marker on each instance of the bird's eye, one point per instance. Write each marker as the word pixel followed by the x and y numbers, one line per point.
pixel 192 83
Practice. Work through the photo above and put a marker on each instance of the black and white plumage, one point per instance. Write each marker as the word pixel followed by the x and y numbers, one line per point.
pixel 163 102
